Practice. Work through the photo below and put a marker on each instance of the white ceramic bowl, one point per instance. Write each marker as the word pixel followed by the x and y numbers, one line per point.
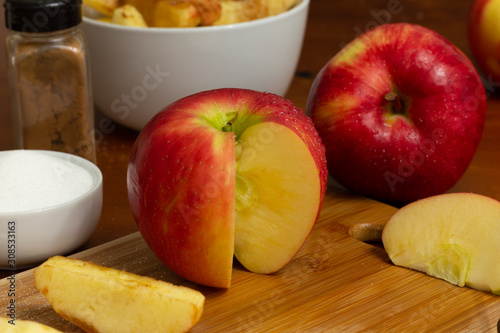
pixel 136 71
pixel 29 237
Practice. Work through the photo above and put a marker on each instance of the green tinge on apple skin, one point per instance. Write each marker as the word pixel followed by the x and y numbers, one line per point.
pixel 237 122
pixel 234 121
pixel 454 237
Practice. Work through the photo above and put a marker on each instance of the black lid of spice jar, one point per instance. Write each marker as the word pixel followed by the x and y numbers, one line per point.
pixel 35 16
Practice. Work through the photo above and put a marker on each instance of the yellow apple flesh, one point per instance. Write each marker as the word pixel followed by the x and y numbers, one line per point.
pixel 455 237
pixel 102 299
pixel 8 325
pixel 275 197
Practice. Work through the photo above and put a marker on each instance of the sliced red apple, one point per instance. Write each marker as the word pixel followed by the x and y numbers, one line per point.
pixel 227 172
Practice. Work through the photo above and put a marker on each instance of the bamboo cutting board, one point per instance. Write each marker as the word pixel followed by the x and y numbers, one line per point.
pixel 336 283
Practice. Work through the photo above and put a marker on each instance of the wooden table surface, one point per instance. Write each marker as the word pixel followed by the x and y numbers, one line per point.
pixel 331 24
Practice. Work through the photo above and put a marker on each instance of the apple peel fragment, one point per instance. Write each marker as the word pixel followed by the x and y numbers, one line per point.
pixel 453 236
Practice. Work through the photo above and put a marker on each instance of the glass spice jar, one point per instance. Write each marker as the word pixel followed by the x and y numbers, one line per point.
pixel 49 76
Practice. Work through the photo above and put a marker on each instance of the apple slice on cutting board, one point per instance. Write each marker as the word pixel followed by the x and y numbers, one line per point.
pixel 8 325
pixel 103 299
pixel 454 236
pixel 224 173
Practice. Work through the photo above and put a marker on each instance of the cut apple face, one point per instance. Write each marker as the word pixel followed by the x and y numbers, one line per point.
pixel 277 197
pixel 454 237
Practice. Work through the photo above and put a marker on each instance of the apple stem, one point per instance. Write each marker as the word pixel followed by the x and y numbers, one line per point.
pixel 393 98
pixel 229 125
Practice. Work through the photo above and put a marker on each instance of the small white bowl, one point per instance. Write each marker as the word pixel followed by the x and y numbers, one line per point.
pixel 138 71
pixel 30 237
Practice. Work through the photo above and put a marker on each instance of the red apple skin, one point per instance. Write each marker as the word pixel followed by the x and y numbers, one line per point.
pixel 181 178
pixel 484 37
pixel 177 221
pixel 415 146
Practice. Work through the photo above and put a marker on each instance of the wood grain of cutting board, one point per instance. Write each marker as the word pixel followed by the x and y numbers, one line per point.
pixel 336 283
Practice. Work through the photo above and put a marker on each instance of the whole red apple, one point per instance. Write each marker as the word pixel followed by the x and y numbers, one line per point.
pixel 400 111
pixel 223 173
pixel 484 37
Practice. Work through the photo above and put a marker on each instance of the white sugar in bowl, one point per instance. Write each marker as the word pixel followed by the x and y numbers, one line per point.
pixel 50 204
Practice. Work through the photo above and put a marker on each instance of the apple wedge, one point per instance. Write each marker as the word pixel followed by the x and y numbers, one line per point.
pixel 8 325
pixel 454 237
pixel 224 173
pixel 101 299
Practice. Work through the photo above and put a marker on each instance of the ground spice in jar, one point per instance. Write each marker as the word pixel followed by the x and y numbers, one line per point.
pixel 49 77
pixel 53 100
